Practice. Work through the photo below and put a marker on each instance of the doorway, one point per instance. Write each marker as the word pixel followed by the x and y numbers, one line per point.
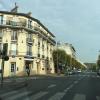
pixel 13 68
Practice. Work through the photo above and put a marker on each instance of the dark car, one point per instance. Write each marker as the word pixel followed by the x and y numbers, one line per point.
pixel 98 72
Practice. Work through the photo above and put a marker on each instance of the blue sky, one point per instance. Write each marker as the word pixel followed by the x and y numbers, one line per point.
pixel 73 21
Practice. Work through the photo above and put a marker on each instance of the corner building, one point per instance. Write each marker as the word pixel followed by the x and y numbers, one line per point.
pixel 29 42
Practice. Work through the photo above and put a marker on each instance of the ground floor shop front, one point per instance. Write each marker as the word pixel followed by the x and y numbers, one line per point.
pixel 16 66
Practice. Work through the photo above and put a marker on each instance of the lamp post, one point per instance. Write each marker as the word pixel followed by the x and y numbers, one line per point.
pixel 98 61
pixel 57 56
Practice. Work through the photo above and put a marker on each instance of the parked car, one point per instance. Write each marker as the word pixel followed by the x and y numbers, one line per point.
pixel 98 72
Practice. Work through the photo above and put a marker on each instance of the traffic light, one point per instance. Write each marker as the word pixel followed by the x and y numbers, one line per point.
pixel 4 52
pixel 5 49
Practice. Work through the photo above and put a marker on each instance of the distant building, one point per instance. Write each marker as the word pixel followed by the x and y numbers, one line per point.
pixel 68 48
pixel 29 43
pixel 90 65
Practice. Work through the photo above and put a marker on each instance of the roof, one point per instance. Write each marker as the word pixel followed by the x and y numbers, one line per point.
pixel 26 15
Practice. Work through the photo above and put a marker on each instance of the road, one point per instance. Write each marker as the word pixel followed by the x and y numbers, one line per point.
pixel 85 86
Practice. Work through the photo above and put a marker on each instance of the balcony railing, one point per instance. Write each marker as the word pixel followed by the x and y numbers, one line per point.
pixel 13 23
pixel 25 25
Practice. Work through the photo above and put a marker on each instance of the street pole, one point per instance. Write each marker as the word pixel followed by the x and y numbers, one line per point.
pixel 2 71
pixel 71 62
pixel 57 57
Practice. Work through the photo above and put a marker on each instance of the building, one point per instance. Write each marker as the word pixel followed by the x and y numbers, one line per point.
pixel 29 43
pixel 90 66
pixel 68 48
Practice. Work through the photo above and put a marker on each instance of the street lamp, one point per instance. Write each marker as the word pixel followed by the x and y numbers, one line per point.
pixel 57 56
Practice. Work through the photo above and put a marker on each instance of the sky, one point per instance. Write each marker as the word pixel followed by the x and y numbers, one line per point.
pixel 72 21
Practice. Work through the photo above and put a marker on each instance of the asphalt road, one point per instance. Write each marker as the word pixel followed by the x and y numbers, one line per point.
pixel 85 86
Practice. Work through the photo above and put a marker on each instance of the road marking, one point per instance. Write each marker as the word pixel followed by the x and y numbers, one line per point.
pixel 38 95
pixel 97 97
pixel 66 90
pixel 57 96
pixel 19 95
pixel 75 82
pixel 79 97
pixel 52 85
pixel 9 93
pixel 13 95
pixel 71 86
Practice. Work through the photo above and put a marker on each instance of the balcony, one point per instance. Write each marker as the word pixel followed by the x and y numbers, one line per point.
pixel 29 40
pixel 13 23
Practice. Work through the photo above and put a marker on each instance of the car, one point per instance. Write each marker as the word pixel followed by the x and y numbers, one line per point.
pixel 98 72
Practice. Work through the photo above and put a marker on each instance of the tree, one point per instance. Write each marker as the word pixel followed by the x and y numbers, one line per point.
pixel 98 62
pixel 59 58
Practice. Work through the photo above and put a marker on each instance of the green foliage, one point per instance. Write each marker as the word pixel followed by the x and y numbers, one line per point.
pixel 64 61
pixel 98 64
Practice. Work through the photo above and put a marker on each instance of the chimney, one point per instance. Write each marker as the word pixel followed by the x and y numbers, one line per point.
pixel 15 9
pixel 29 14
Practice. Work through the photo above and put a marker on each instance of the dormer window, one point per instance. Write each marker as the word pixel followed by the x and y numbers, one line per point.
pixel 29 23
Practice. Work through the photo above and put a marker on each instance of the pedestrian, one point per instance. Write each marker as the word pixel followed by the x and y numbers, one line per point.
pixel 28 70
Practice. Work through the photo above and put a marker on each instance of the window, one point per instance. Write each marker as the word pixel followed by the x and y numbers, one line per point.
pixel 14 35
pixel 13 67
pixel 29 35
pixel 29 24
pixel 29 49
pixel 38 55
pixel 0 49
pixel 38 44
pixel 1 19
pixel 13 49
pixel 0 34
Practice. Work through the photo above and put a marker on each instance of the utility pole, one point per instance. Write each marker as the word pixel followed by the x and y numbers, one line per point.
pixel 2 71
pixel 4 58
pixel 57 57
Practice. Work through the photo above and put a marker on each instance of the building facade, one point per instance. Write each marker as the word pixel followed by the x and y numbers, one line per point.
pixel 29 43
pixel 68 48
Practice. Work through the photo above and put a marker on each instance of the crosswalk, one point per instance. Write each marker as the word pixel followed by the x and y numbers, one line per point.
pixel 27 95
pixel 92 76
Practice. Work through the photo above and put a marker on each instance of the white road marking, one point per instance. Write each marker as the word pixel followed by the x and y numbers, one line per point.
pixel 71 86
pixel 52 85
pixel 97 98
pixel 38 95
pixel 66 90
pixel 8 93
pixel 79 97
pixel 57 96
pixel 19 95
pixel 13 95
pixel 75 82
